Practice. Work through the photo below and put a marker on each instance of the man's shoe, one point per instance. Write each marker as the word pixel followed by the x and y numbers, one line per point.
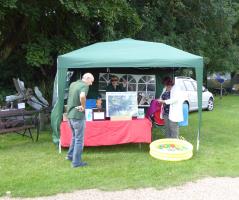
pixel 82 164
pixel 68 158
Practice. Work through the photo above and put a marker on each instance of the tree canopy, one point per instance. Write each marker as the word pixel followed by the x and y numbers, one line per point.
pixel 33 33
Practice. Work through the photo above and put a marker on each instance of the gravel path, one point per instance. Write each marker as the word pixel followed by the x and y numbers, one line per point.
pixel 206 189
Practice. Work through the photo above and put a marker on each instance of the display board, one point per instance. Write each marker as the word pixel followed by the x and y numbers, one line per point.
pixel 120 104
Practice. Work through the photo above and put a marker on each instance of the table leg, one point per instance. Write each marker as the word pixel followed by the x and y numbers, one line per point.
pixel 140 146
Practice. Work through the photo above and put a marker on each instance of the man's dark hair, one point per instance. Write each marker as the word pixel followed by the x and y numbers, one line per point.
pixel 113 78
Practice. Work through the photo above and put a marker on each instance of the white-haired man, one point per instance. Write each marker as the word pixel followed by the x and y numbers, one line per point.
pixel 76 116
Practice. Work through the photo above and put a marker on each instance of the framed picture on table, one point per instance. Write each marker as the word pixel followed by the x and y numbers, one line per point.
pixel 98 115
pixel 121 104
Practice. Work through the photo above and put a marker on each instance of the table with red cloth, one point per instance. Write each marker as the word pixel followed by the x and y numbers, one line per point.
pixel 98 133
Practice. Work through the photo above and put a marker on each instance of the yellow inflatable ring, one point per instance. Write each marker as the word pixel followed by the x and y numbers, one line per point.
pixel 171 149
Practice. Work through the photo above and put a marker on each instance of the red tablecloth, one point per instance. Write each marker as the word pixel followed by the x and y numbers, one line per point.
pixel 108 132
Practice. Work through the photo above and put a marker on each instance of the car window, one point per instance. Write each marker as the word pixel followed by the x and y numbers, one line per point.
pixel 181 85
pixel 195 85
pixel 189 86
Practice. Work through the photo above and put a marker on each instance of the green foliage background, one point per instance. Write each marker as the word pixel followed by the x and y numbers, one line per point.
pixel 33 33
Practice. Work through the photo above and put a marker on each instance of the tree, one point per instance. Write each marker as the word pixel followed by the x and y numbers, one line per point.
pixel 35 32
pixel 202 27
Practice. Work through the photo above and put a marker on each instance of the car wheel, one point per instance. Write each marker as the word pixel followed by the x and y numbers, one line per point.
pixel 210 105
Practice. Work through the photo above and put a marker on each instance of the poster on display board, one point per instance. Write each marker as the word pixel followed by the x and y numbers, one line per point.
pixel 121 104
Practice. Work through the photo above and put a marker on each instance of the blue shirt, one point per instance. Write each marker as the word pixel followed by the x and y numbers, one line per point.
pixel 166 96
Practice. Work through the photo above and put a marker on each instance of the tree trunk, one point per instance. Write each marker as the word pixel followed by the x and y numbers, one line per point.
pixel 13 39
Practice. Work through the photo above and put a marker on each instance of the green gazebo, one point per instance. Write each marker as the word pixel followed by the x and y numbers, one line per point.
pixel 125 53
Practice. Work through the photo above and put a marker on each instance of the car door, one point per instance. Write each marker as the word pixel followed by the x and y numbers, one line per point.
pixel 192 94
pixel 204 97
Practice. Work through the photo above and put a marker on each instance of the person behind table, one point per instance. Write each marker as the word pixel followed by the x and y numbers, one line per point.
pixel 76 117
pixel 99 102
pixel 114 85
pixel 172 107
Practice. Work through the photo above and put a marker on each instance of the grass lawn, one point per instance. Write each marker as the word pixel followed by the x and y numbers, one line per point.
pixel 37 169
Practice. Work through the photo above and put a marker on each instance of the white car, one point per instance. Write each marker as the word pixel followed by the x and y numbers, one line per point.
pixel 188 87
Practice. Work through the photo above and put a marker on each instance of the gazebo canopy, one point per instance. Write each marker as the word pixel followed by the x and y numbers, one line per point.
pixel 123 53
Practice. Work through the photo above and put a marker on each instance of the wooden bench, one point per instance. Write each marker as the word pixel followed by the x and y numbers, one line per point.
pixel 24 120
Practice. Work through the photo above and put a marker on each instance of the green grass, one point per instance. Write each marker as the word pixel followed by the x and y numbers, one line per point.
pixel 37 169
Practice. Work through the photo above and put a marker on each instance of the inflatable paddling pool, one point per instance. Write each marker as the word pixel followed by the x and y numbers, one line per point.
pixel 171 149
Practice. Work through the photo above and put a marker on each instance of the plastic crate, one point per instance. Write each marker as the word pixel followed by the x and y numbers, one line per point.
pixel 90 103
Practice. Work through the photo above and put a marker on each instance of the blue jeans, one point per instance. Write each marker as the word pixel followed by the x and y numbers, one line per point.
pixel 77 142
